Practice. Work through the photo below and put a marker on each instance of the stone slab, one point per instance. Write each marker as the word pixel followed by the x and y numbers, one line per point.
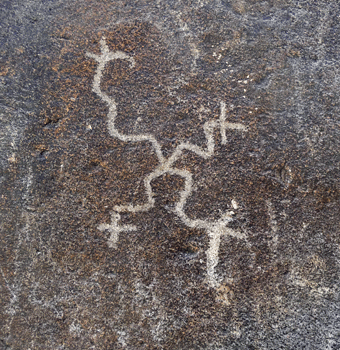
pixel 169 174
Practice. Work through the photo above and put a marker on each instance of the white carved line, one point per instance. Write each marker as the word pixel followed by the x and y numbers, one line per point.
pixel 273 223
pixel 215 229
pixel 115 229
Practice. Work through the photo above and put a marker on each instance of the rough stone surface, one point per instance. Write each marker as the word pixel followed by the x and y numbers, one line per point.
pixel 276 66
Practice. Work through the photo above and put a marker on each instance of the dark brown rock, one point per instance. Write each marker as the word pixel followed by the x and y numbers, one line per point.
pixel 275 66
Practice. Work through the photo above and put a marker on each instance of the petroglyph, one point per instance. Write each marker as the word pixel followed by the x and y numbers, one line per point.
pixel 115 229
pixel 215 229
pixel 272 223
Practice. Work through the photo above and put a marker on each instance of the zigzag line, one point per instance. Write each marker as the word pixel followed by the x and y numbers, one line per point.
pixel 215 229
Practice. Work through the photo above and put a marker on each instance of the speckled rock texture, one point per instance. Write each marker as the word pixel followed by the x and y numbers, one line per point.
pixel 236 249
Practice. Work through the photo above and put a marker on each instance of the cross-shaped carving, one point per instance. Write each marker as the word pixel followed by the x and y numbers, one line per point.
pixel 114 228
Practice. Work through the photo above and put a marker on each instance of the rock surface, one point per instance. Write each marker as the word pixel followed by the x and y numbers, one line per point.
pixel 169 174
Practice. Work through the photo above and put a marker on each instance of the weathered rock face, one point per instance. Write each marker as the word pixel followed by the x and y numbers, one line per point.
pixel 169 174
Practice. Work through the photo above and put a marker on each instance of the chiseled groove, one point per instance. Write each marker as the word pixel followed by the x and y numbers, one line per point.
pixel 215 229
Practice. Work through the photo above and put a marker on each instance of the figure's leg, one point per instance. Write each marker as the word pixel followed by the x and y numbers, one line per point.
pixel 213 256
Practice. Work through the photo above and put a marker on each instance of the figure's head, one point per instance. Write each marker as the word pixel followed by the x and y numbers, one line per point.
pixel 107 55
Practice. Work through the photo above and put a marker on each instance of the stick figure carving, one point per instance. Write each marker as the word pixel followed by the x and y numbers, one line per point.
pixel 215 229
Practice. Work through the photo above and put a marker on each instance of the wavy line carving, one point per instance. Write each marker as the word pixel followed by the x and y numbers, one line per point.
pixel 215 229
